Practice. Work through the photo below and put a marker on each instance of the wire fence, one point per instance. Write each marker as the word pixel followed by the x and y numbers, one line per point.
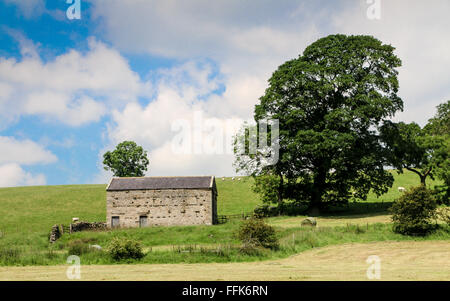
pixel 65 228
pixel 222 219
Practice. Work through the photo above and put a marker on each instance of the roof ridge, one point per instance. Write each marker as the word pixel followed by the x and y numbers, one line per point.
pixel 163 177
pixel 151 183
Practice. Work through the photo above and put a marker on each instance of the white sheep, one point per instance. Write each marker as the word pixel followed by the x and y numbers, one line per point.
pixel 95 247
pixel 401 189
pixel 223 178
pixel 232 178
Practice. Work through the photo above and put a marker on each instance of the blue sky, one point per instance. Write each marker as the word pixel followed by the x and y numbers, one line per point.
pixel 72 89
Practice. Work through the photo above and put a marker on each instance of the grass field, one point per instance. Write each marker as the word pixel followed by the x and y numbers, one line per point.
pixel 36 209
pixel 27 214
pixel 399 261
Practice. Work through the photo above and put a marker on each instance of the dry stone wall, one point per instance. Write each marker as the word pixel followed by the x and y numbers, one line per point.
pixel 161 207
pixel 55 233
pixel 87 226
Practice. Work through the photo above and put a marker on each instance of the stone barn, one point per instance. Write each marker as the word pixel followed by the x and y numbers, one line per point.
pixel 161 201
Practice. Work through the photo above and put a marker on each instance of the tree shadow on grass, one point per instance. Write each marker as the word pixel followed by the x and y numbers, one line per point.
pixel 349 210
pixel 357 210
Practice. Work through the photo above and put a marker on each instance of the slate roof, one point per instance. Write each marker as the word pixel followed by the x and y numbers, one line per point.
pixel 151 183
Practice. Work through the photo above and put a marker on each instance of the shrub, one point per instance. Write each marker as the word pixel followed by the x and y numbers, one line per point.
pixel 78 248
pixel 267 188
pixel 265 210
pixel 123 248
pixel 441 193
pixel 291 208
pixel 251 249
pixel 413 212
pixel 443 214
pixel 255 232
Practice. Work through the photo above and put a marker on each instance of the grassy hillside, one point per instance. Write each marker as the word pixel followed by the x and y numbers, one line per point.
pixel 236 196
pixel 407 179
pixel 27 214
pixel 36 209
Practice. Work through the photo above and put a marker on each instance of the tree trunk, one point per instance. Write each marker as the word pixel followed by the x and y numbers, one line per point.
pixel 280 193
pixel 317 193
pixel 423 176
pixel 422 180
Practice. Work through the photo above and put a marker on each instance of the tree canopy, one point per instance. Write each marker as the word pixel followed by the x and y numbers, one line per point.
pixel 411 148
pixel 331 102
pixel 423 151
pixel 127 160
pixel 439 128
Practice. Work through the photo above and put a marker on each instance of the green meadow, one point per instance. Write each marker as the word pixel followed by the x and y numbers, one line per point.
pixel 28 213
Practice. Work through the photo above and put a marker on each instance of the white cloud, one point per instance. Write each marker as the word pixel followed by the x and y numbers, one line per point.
pixel 74 88
pixel 185 29
pixel 12 174
pixel 29 8
pixel 419 32
pixel 239 37
pixel 24 152
pixel 251 37
pixel 151 125
pixel 51 104
pixel 33 9
pixel 27 47
pixel 248 41
pixel 13 154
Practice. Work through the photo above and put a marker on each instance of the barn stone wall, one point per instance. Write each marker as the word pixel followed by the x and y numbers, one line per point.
pixel 162 207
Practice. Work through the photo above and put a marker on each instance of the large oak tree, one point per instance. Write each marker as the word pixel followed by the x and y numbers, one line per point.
pixel 330 103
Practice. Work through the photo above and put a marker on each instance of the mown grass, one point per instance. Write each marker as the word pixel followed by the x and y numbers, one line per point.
pixel 405 261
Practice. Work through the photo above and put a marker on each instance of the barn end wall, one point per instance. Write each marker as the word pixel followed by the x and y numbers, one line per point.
pixel 162 207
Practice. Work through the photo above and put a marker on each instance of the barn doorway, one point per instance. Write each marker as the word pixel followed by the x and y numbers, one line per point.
pixel 143 221
pixel 115 221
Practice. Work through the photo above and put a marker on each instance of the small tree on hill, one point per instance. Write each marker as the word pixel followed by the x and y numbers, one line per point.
pixel 127 160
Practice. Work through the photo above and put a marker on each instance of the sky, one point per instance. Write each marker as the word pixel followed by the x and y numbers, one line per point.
pixel 72 88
